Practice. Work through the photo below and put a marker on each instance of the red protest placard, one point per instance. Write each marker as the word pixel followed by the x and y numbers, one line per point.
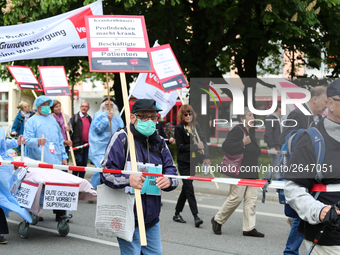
pixel 167 68
pixel 118 43
pixel 54 80
pixel 25 78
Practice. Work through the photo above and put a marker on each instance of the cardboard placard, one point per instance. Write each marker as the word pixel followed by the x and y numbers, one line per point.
pixel 167 68
pixel 118 43
pixel 26 194
pixel 54 80
pixel 25 78
pixel 61 196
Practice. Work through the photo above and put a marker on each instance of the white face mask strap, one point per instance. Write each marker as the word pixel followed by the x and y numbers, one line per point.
pixel 135 119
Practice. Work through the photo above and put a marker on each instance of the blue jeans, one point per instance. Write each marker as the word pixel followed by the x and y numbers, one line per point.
pixel 295 239
pixel 153 238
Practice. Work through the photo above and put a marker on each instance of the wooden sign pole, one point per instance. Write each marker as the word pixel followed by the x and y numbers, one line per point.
pixel 42 150
pixel 22 150
pixel 198 139
pixel 34 94
pixel 131 142
pixel 69 138
pixel 108 98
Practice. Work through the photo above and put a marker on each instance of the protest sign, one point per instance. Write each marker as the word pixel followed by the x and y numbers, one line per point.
pixel 118 44
pixel 25 78
pixel 148 86
pixel 26 194
pixel 167 68
pixel 61 196
pixel 59 36
pixel 54 80
pixel 55 83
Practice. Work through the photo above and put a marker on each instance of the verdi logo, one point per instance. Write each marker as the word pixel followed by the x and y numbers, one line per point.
pixel 78 21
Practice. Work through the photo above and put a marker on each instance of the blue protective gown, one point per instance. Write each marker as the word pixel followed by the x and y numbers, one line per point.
pixel 35 127
pixel 7 201
pixel 99 136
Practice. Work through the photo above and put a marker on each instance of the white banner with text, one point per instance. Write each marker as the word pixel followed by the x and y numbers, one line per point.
pixel 63 35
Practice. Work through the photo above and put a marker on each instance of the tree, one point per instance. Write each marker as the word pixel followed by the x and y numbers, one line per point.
pixel 210 37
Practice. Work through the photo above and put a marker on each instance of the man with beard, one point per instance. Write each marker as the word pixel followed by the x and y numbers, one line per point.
pixel 100 134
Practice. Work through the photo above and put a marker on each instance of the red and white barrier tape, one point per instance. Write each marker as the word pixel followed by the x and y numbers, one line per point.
pixel 262 150
pixel 270 151
pixel 241 182
pixel 215 144
pixel 81 146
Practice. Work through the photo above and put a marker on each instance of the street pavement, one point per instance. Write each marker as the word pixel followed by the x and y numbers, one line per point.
pixel 176 238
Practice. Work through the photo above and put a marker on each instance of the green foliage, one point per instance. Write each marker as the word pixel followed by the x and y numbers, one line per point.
pixel 209 37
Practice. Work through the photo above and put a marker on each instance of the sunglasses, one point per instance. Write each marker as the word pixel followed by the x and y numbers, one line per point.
pixel 186 114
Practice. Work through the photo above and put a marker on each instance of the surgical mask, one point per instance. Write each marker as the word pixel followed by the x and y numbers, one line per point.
pixel 146 127
pixel 45 110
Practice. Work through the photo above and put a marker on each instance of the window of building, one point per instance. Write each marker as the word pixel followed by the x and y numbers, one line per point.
pixel 4 108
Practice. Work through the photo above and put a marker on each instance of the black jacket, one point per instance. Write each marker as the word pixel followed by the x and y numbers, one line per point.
pixel 304 158
pixel 303 121
pixel 233 145
pixel 77 127
pixel 273 132
pixel 185 145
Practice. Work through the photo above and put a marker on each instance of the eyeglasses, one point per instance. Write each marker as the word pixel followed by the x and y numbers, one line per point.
pixel 146 117
pixel 186 114
pixel 335 99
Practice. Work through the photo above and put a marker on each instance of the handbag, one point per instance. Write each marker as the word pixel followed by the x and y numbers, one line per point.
pixel 115 214
pixel 231 164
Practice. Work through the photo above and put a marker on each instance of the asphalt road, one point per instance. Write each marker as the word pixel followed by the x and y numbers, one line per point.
pixel 176 238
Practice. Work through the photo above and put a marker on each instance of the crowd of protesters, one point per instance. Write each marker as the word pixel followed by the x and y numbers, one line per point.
pixel 44 132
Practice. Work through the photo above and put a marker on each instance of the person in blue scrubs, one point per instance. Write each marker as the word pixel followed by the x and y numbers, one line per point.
pixel 43 124
pixel 52 143
pixel 99 134
pixel 7 201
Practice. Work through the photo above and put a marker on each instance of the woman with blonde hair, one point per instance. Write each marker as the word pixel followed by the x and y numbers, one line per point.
pixel 191 151
pixel 20 120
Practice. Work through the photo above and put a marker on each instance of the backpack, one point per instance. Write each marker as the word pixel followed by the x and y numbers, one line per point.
pixel 288 149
